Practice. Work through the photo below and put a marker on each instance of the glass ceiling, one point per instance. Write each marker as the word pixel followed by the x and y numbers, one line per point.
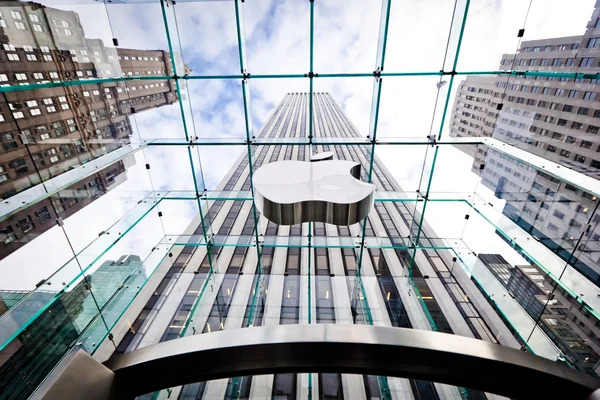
pixel 393 67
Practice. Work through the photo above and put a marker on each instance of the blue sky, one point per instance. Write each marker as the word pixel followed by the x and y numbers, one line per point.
pixel 277 41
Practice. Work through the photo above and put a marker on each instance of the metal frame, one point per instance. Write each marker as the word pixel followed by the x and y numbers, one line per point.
pixel 194 140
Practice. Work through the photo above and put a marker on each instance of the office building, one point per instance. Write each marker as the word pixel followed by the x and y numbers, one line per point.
pixel 48 131
pixel 26 361
pixel 185 298
pixel 554 118
pixel 10 298
pixel 24 226
pixel 572 328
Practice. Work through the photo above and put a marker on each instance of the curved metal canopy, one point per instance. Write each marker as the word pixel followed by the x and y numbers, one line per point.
pixel 356 349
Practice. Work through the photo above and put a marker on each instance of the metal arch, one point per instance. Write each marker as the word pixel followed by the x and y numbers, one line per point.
pixel 355 349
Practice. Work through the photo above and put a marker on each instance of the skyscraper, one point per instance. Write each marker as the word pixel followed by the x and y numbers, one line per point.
pixel 556 118
pixel 46 131
pixel 30 356
pixel 186 298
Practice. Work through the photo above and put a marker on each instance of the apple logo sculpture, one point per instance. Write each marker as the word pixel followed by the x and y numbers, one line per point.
pixel 323 190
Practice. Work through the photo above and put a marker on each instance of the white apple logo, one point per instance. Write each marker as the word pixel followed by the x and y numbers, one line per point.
pixel 329 191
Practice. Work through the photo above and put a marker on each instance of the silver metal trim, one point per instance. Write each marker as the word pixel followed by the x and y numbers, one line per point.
pixel 354 349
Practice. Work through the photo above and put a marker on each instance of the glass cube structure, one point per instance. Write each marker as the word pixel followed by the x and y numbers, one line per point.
pixel 131 131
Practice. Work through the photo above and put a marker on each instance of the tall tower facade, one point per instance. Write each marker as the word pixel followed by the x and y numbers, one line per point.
pixel 555 118
pixel 306 284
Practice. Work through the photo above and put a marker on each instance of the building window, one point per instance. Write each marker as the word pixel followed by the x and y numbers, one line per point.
pixel 54 75
pixel 47 57
pixel 37 28
pixel 35 111
pixel 592 129
pixel 43 214
pixel 573 93
pixel 44 136
pixel 579 158
pixel 21 77
pixel 560 92
pixel 19 25
pixel 13 57
pixel 16 15
pixel 18 115
pixel 34 18
pixel 576 125
pixel 68 32
pixel 25 224
pixel 567 108
pixel 51 109
pixel 575 224
pixel 583 111
pixel 589 95
pixel 561 122
pixel 558 214
pixel 586 62
pixel 54 159
pixel 38 75
pixel 9 234
pixel 565 153
pixel 31 57
pixel 551 149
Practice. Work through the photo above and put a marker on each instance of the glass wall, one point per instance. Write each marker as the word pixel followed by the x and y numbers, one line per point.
pixel 131 132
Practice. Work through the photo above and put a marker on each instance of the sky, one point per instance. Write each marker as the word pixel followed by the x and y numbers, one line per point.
pixel 422 36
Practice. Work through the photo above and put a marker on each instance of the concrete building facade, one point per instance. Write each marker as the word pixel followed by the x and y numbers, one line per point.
pixel 48 131
pixel 552 117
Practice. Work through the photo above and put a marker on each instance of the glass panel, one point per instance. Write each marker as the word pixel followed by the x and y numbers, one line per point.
pixel 127 213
